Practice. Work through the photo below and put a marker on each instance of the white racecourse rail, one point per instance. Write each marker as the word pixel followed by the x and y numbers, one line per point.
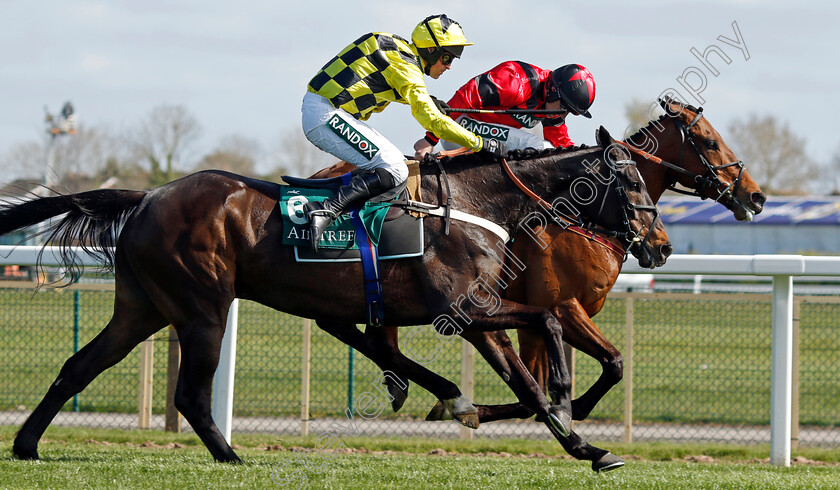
pixel 781 268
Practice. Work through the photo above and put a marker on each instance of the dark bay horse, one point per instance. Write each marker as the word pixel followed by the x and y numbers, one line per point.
pixel 185 250
pixel 573 274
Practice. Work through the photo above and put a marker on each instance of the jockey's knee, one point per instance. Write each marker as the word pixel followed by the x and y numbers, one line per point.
pixel 398 170
pixel 391 159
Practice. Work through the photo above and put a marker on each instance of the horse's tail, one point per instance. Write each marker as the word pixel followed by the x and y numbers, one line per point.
pixel 91 220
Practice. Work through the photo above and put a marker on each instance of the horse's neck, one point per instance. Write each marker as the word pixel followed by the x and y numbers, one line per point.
pixel 657 177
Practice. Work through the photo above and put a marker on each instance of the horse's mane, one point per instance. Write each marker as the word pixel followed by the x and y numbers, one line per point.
pixel 518 154
pixel 647 127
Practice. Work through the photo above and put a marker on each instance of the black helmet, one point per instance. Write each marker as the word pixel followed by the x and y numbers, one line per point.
pixel 574 86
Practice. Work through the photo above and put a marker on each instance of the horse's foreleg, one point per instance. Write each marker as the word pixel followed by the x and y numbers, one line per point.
pixel 389 358
pixel 389 336
pixel 492 413
pixel 582 334
pixel 499 352
pixel 540 320
pixel 497 349
pixel 130 325
pixel 491 347
pixel 534 356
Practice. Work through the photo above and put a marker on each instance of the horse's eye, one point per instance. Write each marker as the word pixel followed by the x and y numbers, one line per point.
pixel 711 144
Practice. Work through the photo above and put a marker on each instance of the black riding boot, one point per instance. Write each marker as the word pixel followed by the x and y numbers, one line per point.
pixel 360 188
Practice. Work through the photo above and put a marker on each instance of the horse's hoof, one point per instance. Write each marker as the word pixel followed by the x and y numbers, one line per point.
pixel 560 420
pixel 468 419
pixel 607 462
pixel 234 459
pixel 463 411
pixel 25 454
pixel 438 412
pixel 398 395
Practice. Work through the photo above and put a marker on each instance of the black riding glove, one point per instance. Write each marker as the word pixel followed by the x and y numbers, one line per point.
pixel 493 147
pixel 441 105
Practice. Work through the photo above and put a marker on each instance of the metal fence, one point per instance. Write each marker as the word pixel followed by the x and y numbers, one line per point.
pixel 697 367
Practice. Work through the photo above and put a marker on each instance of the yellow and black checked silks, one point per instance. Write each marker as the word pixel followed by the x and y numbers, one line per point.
pixel 367 75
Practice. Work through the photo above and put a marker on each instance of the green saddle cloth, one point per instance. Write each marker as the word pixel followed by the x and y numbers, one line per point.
pixel 341 234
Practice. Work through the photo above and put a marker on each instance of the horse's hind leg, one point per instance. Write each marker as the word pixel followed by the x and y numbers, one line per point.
pixel 134 320
pixel 198 311
pixel 201 340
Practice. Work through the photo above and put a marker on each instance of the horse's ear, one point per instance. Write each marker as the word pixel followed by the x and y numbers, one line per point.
pixel 616 153
pixel 602 136
pixel 673 107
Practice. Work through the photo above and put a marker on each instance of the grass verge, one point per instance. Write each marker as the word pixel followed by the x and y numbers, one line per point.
pixel 97 458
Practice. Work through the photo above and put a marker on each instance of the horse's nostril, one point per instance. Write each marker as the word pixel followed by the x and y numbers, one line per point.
pixel 666 250
pixel 758 198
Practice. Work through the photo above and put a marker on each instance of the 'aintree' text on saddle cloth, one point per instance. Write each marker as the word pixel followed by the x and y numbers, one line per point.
pixel 341 234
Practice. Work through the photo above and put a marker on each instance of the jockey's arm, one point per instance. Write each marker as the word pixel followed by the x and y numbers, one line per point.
pixel 426 113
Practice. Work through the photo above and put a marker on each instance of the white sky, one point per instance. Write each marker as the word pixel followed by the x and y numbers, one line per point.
pixel 242 67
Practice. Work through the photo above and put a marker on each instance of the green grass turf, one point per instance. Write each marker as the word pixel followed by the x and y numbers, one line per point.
pixel 75 458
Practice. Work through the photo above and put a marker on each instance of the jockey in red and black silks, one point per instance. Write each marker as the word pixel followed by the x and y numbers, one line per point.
pixel 520 85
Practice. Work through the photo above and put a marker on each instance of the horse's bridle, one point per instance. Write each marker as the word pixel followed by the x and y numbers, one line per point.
pixel 711 179
pixel 631 239
pixel 628 237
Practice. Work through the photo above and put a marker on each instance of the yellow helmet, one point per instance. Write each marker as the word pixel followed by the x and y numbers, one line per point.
pixel 439 32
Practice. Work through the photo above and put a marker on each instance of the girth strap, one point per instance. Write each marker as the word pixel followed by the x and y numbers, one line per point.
pixel 370 266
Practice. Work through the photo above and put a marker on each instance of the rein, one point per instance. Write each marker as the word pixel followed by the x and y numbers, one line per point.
pixel 602 237
pixel 655 159
pixel 715 181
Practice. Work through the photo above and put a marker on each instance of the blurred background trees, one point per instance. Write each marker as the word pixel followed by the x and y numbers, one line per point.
pixel 164 146
pixel 155 150
pixel 774 155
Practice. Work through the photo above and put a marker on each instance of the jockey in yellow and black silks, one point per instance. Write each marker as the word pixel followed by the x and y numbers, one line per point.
pixel 366 76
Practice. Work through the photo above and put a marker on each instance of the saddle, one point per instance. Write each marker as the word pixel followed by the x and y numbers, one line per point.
pixel 398 234
pixel 411 186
